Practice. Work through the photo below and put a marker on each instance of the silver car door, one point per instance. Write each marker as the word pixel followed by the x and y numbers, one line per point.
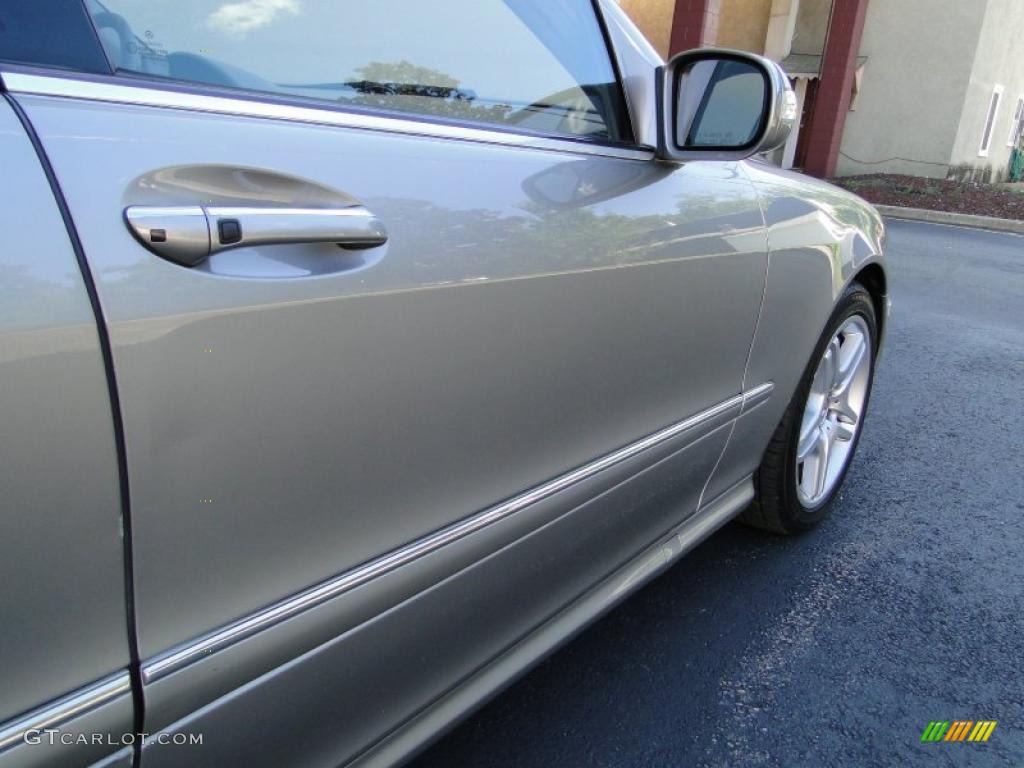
pixel 518 296
pixel 64 651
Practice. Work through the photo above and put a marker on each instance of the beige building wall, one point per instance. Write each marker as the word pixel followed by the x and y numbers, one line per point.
pixel 743 24
pixel 913 88
pixel 999 59
pixel 654 17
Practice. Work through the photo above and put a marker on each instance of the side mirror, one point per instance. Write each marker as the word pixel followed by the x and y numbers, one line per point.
pixel 722 105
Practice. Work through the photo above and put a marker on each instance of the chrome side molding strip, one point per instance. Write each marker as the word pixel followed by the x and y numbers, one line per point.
pixel 700 424
pixel 756 396
pixel 128 91
pixel 63 709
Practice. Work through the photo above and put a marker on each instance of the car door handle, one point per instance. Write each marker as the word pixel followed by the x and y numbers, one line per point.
pixel 188 234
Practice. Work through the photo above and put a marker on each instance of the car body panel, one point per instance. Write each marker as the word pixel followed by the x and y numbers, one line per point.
pixel 181 681
pixel 62 574
pixel 406 658
pixel 88 726
pixel 503 670
pixel 371 486
pixel 508 332
pixel 821 238
pixel 475 352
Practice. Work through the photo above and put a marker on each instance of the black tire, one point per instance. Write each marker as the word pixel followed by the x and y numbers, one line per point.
pixel 777 506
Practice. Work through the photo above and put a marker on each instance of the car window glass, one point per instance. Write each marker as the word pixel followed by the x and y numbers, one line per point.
pixel 50 33
pixel 542 66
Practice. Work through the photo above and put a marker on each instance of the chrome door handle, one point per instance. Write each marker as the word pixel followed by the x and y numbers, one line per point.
pixel 188 234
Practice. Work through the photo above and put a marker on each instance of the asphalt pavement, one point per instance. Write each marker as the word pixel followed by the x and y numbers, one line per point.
pixel 838 647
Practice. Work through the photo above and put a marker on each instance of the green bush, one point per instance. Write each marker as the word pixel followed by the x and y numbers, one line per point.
pixel 1017 165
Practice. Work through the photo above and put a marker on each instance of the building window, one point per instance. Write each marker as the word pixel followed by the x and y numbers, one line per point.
pixel 990 120
pixel 1017 126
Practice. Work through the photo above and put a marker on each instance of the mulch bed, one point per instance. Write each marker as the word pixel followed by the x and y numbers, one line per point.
pixel 937 194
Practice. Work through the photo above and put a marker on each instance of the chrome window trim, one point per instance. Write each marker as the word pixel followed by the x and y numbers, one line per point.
pixel 700 424
pixel 65 708
pixel 147 93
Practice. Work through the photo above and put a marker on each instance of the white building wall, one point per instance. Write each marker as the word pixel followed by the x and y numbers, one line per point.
pixel 920 55
pixel 999 60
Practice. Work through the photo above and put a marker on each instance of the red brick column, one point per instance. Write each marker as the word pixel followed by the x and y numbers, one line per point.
pixel 694 25
pixel 835 87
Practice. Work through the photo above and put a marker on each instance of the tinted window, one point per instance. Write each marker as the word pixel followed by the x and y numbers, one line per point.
pixel 541 65
pixel 52 33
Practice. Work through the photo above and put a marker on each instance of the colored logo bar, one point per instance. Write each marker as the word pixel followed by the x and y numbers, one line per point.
pixel 958 730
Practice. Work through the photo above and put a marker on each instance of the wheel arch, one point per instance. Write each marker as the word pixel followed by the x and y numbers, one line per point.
pixel 873 277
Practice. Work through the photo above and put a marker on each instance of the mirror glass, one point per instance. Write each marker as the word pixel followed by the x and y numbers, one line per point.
pixel 721 103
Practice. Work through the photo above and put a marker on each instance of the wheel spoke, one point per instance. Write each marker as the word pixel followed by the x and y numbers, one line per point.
pixel 844 410
pixel 843 432
pixel 850 357
pixel 831 361
pixel 808 441
pixel 821 467
pixel 823 378
pixel 814 462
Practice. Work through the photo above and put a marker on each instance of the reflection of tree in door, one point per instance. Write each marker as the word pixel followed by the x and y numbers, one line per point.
pixel 804 134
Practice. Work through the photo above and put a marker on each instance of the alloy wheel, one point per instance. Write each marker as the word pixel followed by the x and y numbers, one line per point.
pixel 833 412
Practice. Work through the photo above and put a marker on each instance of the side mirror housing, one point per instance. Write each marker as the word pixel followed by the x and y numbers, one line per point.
pixel 722 105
